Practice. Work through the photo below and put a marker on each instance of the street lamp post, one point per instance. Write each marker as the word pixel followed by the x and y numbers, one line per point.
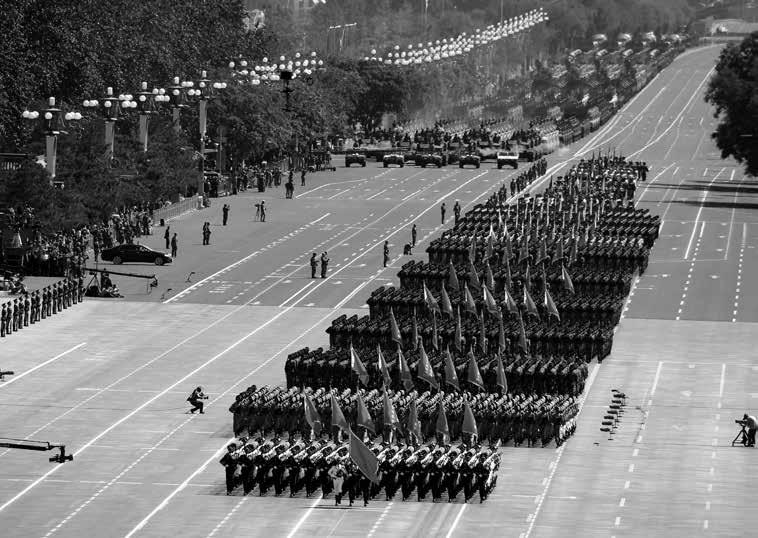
pixel 111 104
pixel 147 103
pixel 53 123
pixel 206 90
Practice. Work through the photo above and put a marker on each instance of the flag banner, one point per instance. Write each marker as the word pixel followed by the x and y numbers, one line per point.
pixel 363 416
pixel 431 302
pixel 388 411
pixel 441 426
pixel 394 329
pixel 447 306
pixel 501 381
pixel 424 369
pixel 338 417
pixel 451 376
pixel 473 375
pixel 469 422
pixel 383 368
pixel 363 458
pixel 356 364
pixel 452 277
pixel 405 372
pixel 311 414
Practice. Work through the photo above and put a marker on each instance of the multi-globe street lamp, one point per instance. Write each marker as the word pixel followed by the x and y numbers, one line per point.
pixel 53 118
pixel 204 91
pixel 111 106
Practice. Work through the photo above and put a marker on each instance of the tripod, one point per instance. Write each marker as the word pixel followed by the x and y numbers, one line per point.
pixel 742 436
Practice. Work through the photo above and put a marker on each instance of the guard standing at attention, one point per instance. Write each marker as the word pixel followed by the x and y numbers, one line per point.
pixel 314 265
pixel 324 264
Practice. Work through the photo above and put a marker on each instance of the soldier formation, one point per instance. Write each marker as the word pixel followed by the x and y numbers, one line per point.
pixel 37 305
pixel 502 367
pixel 442 470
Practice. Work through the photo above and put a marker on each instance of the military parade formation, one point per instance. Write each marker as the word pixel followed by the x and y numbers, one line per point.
pixel 501 367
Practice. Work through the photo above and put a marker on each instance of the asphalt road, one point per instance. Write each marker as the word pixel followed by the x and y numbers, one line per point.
pixel 109 378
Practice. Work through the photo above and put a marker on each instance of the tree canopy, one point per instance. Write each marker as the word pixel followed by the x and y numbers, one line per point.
pixel 733 91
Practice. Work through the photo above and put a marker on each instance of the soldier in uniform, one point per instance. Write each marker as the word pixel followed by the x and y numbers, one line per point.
pixel 386 253
pixel 442 212
pixel 456 212
pixel 324 264
pixel 413 236
pixel 3 321
pixel 337 473
pixel 26 309
pixel 229 461
pixel 314 265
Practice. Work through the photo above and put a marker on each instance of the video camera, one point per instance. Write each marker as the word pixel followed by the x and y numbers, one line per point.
pixel 741 422
pixel 5 373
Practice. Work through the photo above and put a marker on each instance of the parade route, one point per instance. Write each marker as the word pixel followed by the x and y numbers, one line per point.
pixel 109 378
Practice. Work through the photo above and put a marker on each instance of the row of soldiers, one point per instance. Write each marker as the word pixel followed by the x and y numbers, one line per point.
pixel 523 374
pixel 499 418
pixel 39 304
pixel 300 465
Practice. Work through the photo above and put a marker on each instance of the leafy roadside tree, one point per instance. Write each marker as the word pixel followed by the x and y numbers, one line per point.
pixel 733 91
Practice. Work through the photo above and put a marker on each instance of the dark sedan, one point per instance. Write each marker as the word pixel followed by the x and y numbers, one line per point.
pixel 134 253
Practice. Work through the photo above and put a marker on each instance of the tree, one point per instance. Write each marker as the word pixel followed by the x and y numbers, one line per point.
pixel 733 91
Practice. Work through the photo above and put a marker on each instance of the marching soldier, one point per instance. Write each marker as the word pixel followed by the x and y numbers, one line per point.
pixel 229 461
pixel 337 473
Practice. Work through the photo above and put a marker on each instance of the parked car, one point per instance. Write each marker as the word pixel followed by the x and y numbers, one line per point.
pixel 355 158
pixel 469 158
pixel 393 158
pixel 134 253
pixel 507 158
pixel 430 159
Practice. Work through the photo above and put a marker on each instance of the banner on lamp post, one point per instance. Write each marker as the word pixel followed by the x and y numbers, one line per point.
pixel 110 129
pixel 143 121
pixel 203 113
pixel 51 153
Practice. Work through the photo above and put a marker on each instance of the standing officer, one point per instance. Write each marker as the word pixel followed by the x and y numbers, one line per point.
pixel 26 309
pixel 386 253
pixel 229 461
pixel 174 245
pixel 414 235
pixel 225 211
pixel 324 264
pixel 167 236
pixel 314 265
pixel 302 177
pixel 263 211
pixel 2 322
pixel 442 211
pixel 456 211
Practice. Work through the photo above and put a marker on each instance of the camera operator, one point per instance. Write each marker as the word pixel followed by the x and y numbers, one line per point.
pixel 750 422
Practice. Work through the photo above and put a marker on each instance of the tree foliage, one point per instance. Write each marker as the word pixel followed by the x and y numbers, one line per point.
pixel 733 91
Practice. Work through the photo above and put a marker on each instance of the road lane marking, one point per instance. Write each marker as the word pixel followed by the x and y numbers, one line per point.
pixel 227 268
pixel 20 376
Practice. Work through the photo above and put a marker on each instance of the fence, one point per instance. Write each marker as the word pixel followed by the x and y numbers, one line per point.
pixel 176 209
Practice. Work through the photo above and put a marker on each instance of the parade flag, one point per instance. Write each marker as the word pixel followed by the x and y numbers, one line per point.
pixel 528 276
pixel 508 276
pixel 363 458
pixel 542 251
pixel 473 278
pixel 559 249
pixel 508 246
pixel 529 305
pixel 435 336
pixel 338 417
pixel 490 303
pixel 509 303
pixel 383 368
pixel 499 222
pixel 473 375
pixel 441 426
pixel 469 305
pixel 311 414
pixel 490 248
pixel 452 277
pixel 472 249
pixel 424 369
pixel 573 252
pixel 489 278
pixel 482 335
pixel 501 342
pixel 501 381
pixel 447 306
pixel 363 416
pixel 405 373
pixel 566 278
pixel 469 422
pixel 415 330
pixel 550 306
pixel 413 425
pixel 394 329
pixel 451 376
pixel 357 366
pixel 388 412
pixel 431 302
pixel 522 343
pixel 458 331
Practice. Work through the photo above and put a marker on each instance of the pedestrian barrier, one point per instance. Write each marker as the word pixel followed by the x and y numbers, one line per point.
pixel 174 210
